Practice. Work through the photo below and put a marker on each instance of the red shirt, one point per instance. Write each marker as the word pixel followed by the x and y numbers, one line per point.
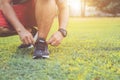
pixel 24 12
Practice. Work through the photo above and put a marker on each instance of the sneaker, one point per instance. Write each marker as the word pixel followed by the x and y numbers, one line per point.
pixel 41 49
pixel 34 31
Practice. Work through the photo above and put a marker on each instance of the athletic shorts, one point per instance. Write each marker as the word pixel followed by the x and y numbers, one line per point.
pixel 25 13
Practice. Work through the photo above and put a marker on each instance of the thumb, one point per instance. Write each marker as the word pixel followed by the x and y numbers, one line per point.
pixel 49 41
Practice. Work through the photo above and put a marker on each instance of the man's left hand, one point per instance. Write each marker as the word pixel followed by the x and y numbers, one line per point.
pixel 55 39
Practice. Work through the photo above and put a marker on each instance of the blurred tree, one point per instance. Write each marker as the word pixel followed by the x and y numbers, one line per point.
pixel 83 7
pixel 109 6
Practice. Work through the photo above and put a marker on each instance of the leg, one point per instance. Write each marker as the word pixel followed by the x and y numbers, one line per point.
pixel 4 32
pixel 45 11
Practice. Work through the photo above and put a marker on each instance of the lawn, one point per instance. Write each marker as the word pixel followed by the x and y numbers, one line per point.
pixel 91 51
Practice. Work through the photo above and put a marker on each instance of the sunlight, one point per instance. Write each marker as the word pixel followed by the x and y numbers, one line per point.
pixel 75 6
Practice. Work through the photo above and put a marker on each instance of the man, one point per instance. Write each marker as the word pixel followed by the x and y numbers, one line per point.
pixel 45 12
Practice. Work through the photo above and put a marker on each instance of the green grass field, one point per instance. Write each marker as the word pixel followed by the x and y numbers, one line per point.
pixel 91 51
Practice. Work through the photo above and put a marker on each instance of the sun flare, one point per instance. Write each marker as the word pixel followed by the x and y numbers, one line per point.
pixel 75 6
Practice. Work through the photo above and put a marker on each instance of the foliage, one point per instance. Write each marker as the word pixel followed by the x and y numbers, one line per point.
pixel 109 6
pixel 90 52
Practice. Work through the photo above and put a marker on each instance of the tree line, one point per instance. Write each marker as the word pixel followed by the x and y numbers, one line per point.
pixel 108 6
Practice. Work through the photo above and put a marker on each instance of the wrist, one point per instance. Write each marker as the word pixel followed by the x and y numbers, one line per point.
pixel 63 32
pixel 19 30
pixel 19 27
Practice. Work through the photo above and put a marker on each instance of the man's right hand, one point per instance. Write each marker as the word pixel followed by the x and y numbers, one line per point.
pixel 26 37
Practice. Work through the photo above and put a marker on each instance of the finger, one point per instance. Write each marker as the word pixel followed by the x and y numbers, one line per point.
pixel 26 41
pixel 51 40
pixel 29 41
pixel 23 41
pixel 32 40
pixel 55 43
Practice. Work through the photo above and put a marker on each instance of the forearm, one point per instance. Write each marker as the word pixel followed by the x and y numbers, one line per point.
pixel 10 15
pixel 63 17
pixel 57 37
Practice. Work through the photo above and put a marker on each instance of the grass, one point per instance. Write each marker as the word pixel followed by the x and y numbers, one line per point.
pixel 91 51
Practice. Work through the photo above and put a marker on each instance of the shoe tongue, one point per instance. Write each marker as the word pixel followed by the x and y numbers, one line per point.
pixel 41 44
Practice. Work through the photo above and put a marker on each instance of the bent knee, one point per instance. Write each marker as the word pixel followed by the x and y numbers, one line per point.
pixel 6 32
pixel 3 29
pixel 46 7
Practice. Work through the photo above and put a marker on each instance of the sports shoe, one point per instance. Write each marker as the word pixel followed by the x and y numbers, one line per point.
pixel 34 31
pixel 41 49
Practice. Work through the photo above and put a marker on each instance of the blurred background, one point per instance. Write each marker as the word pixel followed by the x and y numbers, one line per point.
pixel 99 8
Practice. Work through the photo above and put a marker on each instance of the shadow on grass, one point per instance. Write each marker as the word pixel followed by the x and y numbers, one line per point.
pixel 22 53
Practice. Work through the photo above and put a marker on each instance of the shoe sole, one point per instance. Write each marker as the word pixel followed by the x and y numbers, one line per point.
pixel 45 56
pixel 40 57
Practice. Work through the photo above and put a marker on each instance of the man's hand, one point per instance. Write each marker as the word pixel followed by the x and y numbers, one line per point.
pixel 55 39
pixel 26 37
pixel 10 15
